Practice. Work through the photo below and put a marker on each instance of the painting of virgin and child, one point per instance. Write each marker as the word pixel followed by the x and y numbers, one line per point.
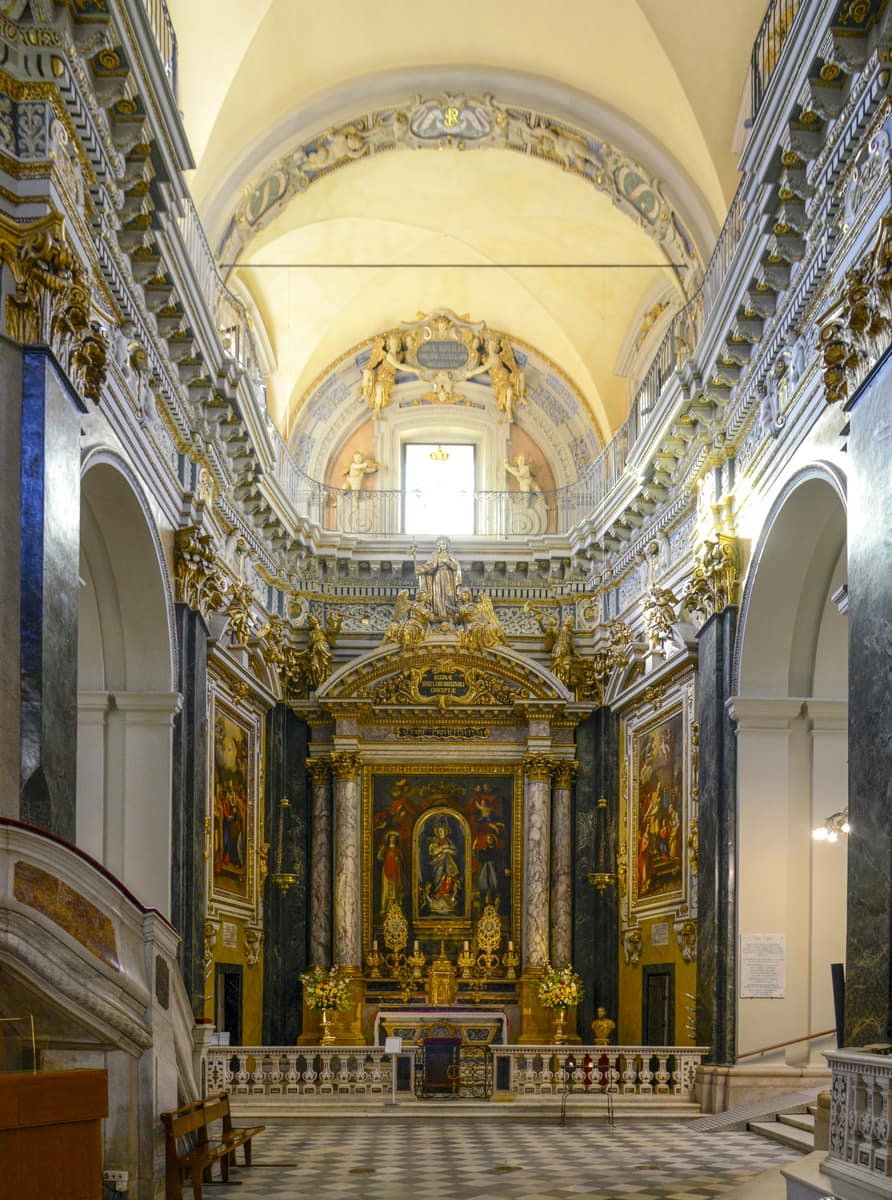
pixel 441 846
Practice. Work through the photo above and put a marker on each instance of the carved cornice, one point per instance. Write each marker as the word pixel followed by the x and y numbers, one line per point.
pixel 714 583
pixel 346 764
pixel 856 330
pixel 51 303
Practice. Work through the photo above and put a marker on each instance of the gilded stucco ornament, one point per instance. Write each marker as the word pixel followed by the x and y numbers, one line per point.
pixel 442 349
pixel 51 304
pixel 856 330
pixel 714 583
pixel 660 612
pixel 686 936
pixel 467 123
pixel 200 582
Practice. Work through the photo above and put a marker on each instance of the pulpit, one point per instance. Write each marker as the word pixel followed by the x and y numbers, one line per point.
pixel 50 1134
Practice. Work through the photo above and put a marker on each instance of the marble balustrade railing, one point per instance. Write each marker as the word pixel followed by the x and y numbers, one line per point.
pixel 332 1071
pixel 860 1145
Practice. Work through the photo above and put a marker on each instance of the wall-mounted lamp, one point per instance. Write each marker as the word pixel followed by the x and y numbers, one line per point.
pixel 832 827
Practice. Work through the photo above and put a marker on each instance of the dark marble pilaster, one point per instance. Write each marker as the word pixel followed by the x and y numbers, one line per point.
pixel 285 933
pixel 595 915
pixel 50 481
pixel 190 807
pixel 717 829
pixel 10 564
pixel 869 909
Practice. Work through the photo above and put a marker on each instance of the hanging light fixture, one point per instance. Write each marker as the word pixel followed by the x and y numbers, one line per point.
pixel 284 879
pixel 832 827
pixel 439 455
pixel 604 875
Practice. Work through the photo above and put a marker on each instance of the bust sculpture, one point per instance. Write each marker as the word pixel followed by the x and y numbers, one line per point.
pixel 602 1027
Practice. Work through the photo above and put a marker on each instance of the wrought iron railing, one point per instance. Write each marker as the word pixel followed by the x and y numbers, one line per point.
pixel 768 47
pixel 540 1071
pixel 165 39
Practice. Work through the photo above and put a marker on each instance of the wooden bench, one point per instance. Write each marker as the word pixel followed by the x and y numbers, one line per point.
pixel 190 1124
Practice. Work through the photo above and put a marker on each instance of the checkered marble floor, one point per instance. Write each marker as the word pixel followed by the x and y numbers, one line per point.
pixel 394 1159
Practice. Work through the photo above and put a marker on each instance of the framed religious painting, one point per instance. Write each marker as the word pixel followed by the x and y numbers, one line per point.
pixel 658 843
pixel 235 735
pixel 442 845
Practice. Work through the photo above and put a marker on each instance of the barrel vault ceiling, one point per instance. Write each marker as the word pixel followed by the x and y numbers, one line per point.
pixel 660 81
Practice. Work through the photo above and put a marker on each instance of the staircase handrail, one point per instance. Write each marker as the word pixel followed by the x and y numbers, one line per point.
pixel 809 1037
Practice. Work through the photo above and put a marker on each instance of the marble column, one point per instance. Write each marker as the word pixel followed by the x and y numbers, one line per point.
pixel 320 864
pixel 537 798
pixel 717 834
pixel 285 912
pixel 346 892
pixel 869 908
pixel 561 863
pixel 190 808
pixel 50 486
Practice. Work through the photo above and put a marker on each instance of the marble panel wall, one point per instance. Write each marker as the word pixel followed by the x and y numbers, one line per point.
pixel 717 780
pixel 869 911
pixel 189 801
pixel 50 548
pixel 596 915
pixel 285 934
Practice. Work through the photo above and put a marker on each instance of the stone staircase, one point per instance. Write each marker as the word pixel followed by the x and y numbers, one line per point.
pixel 794 1128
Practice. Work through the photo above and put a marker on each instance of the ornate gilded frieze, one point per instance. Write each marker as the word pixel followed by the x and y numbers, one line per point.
pixel 856 329
pixel 714 583
pixel 51 302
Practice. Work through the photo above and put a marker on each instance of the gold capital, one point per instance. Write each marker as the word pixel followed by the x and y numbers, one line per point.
pixel 318 770
pixel 565 772
pixel 346 764
pixel 538 766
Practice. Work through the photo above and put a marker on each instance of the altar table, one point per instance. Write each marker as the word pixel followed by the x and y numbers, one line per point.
pixel 478 1026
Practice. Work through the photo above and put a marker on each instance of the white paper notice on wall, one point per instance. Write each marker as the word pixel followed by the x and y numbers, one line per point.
pixel 230 935
pixel 659 934
pixel 763 966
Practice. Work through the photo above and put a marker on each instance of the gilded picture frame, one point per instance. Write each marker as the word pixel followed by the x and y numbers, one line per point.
pixel 658 851
pixel 235 746
pixel 443 843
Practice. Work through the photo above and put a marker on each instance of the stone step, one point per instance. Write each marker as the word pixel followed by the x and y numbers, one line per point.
pixel 786 1135
pixel 518 1108
pixel 804 1121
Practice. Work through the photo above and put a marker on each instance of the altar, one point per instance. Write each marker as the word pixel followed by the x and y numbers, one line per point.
pixel 476 1026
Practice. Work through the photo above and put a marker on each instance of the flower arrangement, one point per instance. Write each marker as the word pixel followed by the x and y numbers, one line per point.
pixel 325 990
pixel 560 987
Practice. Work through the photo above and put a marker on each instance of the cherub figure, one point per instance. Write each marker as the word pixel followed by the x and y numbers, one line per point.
pixel 356 470
pixel 523 473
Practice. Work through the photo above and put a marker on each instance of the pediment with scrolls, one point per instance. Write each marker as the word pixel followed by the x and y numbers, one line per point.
pixel 443 676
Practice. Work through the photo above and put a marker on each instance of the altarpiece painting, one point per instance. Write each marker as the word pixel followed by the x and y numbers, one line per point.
pixel 233 779
pixel 442 845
